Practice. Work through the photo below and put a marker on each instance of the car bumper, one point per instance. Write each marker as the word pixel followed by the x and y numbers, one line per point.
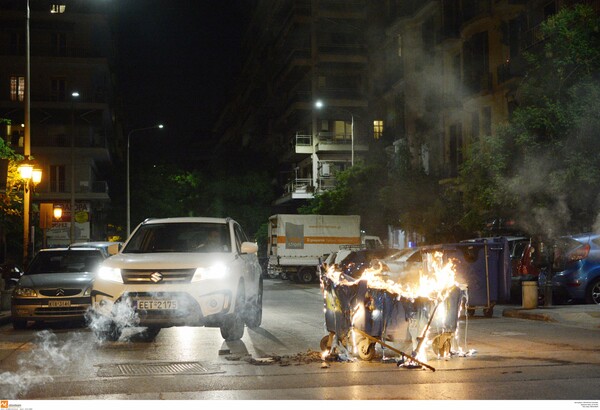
pixel 165 306
pixel 32 309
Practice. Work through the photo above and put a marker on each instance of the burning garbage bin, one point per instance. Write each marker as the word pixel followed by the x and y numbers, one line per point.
pixel 484 266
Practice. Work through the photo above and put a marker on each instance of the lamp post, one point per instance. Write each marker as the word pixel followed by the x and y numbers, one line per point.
pixel 31 177
pixel 319 104
pixel 26 169
pixel 128 189
pixel 75 95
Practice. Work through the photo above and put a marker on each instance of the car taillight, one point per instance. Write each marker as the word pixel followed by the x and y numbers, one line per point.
pixel 580 253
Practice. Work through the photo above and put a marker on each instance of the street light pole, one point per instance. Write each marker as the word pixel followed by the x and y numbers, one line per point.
pixel 26 138
pixel 75 94
pixel 128 188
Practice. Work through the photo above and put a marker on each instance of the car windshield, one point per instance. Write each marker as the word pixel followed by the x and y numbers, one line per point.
pixel 180 237
pixel 65 262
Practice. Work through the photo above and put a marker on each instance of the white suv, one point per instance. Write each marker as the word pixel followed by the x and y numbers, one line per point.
pixel 180 272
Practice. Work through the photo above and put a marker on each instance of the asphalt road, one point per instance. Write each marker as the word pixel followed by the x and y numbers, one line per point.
pixel 510 358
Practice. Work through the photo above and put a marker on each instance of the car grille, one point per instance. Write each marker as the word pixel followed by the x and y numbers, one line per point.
pixel 61 311
pixel 157 277
pixel 60 292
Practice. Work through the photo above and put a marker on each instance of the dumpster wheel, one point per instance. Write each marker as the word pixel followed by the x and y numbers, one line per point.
pixel 366 349
pixel 325 344
pixel 442 344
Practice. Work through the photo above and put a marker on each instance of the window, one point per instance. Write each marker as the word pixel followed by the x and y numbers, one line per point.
pixel 57 8
pixel 456 157
pixel 58 87
pixel 487 120
pixel 17 88
pixel 17 44
pixel 59 44
pixel 377 129
pixel 57 178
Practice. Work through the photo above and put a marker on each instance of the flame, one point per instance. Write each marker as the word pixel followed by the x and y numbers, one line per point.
pixel 433 281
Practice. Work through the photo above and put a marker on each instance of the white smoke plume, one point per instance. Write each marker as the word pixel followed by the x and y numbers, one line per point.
pixel 49 357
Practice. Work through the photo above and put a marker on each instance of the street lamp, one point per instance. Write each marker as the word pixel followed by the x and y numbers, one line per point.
pixel 75 95
pixel 319 104
pixel 128 190
pixel 31 176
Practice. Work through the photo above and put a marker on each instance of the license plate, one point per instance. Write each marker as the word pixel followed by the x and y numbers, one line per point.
pixel 59 303
pixel 156 304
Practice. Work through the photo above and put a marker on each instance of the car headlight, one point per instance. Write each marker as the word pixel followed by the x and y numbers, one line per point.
pixel 216 271
pixel 110 274
pixel 25 292
pixel 87 291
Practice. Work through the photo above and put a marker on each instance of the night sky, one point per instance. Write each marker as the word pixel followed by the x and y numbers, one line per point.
pixel 177 62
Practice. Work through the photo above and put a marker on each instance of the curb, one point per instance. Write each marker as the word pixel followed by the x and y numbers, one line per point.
pixel 524 314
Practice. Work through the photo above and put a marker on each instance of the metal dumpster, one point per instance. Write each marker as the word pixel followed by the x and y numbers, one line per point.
pixel 484 266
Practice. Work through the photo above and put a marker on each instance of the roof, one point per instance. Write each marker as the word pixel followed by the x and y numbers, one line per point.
pixel 187 220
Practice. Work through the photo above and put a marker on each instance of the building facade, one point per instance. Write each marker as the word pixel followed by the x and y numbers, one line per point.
pixel 72 118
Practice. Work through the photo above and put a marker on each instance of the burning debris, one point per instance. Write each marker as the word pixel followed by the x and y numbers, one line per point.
pixel 416 307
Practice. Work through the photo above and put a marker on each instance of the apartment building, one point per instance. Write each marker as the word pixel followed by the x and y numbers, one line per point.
pixel 300 52
pixel 72 123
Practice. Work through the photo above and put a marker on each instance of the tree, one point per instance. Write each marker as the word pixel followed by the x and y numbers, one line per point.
pixel 556 127
pixel 11 202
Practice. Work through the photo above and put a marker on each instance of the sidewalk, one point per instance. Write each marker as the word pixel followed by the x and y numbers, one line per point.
pixel 586 316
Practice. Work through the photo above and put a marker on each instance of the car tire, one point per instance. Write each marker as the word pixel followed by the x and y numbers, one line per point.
pixel 112 332
pixel 232 327
pixel 306 275
pixel 254 308
pixel 593 293
pixel 149 334
pixel 19 324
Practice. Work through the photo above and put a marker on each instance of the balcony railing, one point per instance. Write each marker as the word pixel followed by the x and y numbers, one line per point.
pixel 299 185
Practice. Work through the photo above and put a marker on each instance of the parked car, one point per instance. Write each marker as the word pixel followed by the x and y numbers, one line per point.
pixel 56 286
pixel 180 272
pixel 108 248
pixel 576 268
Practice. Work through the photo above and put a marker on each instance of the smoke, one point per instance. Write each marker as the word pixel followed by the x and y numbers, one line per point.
pixel 49 357
pixel 123 315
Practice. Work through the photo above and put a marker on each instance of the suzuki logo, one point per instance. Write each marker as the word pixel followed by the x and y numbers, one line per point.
pixel 156 277
pixel 60 292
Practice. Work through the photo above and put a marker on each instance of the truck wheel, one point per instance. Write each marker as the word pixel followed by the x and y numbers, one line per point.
pixel 306 275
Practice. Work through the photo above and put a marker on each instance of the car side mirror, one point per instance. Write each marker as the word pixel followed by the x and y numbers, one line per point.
pixel 249 247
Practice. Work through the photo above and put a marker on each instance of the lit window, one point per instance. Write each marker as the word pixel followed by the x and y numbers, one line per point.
pixel 17 88
pixel 377 129
pixel 57 8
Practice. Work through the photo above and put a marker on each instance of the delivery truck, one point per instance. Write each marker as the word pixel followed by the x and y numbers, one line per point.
pixel 298 243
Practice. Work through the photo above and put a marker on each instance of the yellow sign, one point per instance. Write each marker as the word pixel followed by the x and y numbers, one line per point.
pixel 82 217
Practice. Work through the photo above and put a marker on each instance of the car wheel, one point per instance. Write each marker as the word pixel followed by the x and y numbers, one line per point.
pixel 593 293
pixel 149 334
pixel 111 332
pixel 233 325
pixel 254 309
pixel 306 275
pixel 19 324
